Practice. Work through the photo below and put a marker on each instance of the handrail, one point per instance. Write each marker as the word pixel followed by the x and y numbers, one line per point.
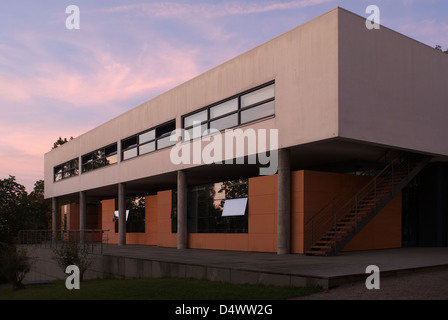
pixel 351 197
pixel 53 238
pixel 323 219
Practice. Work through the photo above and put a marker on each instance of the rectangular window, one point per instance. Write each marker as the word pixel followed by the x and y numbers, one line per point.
pixel 257 96
pixel 148 141
pixel 66 170
pixel 249 106
pixel 99 158
pixel 215 208
pixel 135 215
pixel 260 111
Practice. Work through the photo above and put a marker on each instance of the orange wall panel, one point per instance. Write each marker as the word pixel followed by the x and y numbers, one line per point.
pixel 310 191
pixel 383 232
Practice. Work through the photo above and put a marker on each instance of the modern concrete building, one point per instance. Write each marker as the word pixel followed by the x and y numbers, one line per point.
pixel 354 118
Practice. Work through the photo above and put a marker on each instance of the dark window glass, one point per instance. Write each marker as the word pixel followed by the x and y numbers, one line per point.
pixel 109 151
pixel 165 130
pixel 148 141
pixel 205 208
pixel 129 143
pixel 66 170
pixel 99 158
pixel 243 108
pixel 135 222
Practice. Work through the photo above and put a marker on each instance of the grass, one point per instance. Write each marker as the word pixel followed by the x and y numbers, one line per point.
pixel 153 289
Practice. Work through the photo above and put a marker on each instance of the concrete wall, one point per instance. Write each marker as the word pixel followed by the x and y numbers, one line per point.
pixel 392 88
pixel 333 78
pixel 115 266
pixel 303 63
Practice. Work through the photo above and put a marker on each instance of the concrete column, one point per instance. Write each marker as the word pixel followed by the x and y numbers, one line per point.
pixel 284 203
pixel 121 214
pixel 182 236
pixel 82 216
pixel 55 217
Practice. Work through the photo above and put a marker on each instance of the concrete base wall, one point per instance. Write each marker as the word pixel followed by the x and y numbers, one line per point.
pixel 45 268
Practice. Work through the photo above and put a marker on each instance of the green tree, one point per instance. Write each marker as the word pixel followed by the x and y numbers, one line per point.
pixel 60 142
pixel 439 48
pixel 13 205
pixel 39 209
pixel 15 263
pixel 20 211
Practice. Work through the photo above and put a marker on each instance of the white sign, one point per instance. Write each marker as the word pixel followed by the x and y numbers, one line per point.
pixel 234 207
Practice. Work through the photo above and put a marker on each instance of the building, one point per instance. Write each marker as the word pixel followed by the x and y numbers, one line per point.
pixel 354 119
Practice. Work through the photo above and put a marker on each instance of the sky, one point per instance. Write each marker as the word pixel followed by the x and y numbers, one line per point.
pixel 60 82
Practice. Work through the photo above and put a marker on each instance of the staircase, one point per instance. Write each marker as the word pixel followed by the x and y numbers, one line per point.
pixel 330 229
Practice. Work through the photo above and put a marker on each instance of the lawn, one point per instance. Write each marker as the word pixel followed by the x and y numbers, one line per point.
pixel 153 289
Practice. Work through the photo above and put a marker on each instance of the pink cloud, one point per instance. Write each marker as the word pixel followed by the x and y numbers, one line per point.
pixel 174 9
pixel 431 32
pixel 107 80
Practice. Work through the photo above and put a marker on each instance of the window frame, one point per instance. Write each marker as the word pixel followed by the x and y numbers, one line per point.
pixel 71 167
pixel 98 160
pixel 155 140
pixel 238 111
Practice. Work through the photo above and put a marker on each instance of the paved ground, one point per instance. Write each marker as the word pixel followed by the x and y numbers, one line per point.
pixel 405 273
pixel 417 285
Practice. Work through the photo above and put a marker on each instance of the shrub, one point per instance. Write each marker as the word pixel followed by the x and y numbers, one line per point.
pixel 15 263
pixel 72 253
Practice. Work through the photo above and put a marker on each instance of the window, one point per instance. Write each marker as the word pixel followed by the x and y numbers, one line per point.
pixel 135 215
pixel 66 170
pixel 148 141
pixel 249 106
pixel 99 158
pixel 215 208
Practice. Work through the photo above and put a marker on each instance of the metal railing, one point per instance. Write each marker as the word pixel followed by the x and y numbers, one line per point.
pixel 331 214
pixel 92 239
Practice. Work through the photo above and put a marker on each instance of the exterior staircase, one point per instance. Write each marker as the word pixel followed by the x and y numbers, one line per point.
pixel 330 229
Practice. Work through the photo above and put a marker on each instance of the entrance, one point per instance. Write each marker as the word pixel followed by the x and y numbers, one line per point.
pixel 425 208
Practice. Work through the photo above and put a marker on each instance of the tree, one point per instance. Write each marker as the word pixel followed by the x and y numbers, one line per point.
pixel 15 263
pixel 39 209
pixel 13 204
pixel 439 48
pixel 60 142
pixel 20 211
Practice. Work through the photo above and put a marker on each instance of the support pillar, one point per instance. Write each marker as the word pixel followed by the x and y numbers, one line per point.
pixel 121 214
pixel 55 217
pixel 182 236
pixel 284 202
pixel 82 216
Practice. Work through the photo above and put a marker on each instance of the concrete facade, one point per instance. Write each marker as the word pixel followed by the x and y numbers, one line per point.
pixel 333 79
pixel 344 97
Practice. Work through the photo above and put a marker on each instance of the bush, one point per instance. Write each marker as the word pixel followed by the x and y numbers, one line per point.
pixel 14 264
pixel 72 253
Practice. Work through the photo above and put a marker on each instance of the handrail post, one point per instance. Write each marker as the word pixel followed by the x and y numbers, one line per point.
pixel 334 219
pixel 375 193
